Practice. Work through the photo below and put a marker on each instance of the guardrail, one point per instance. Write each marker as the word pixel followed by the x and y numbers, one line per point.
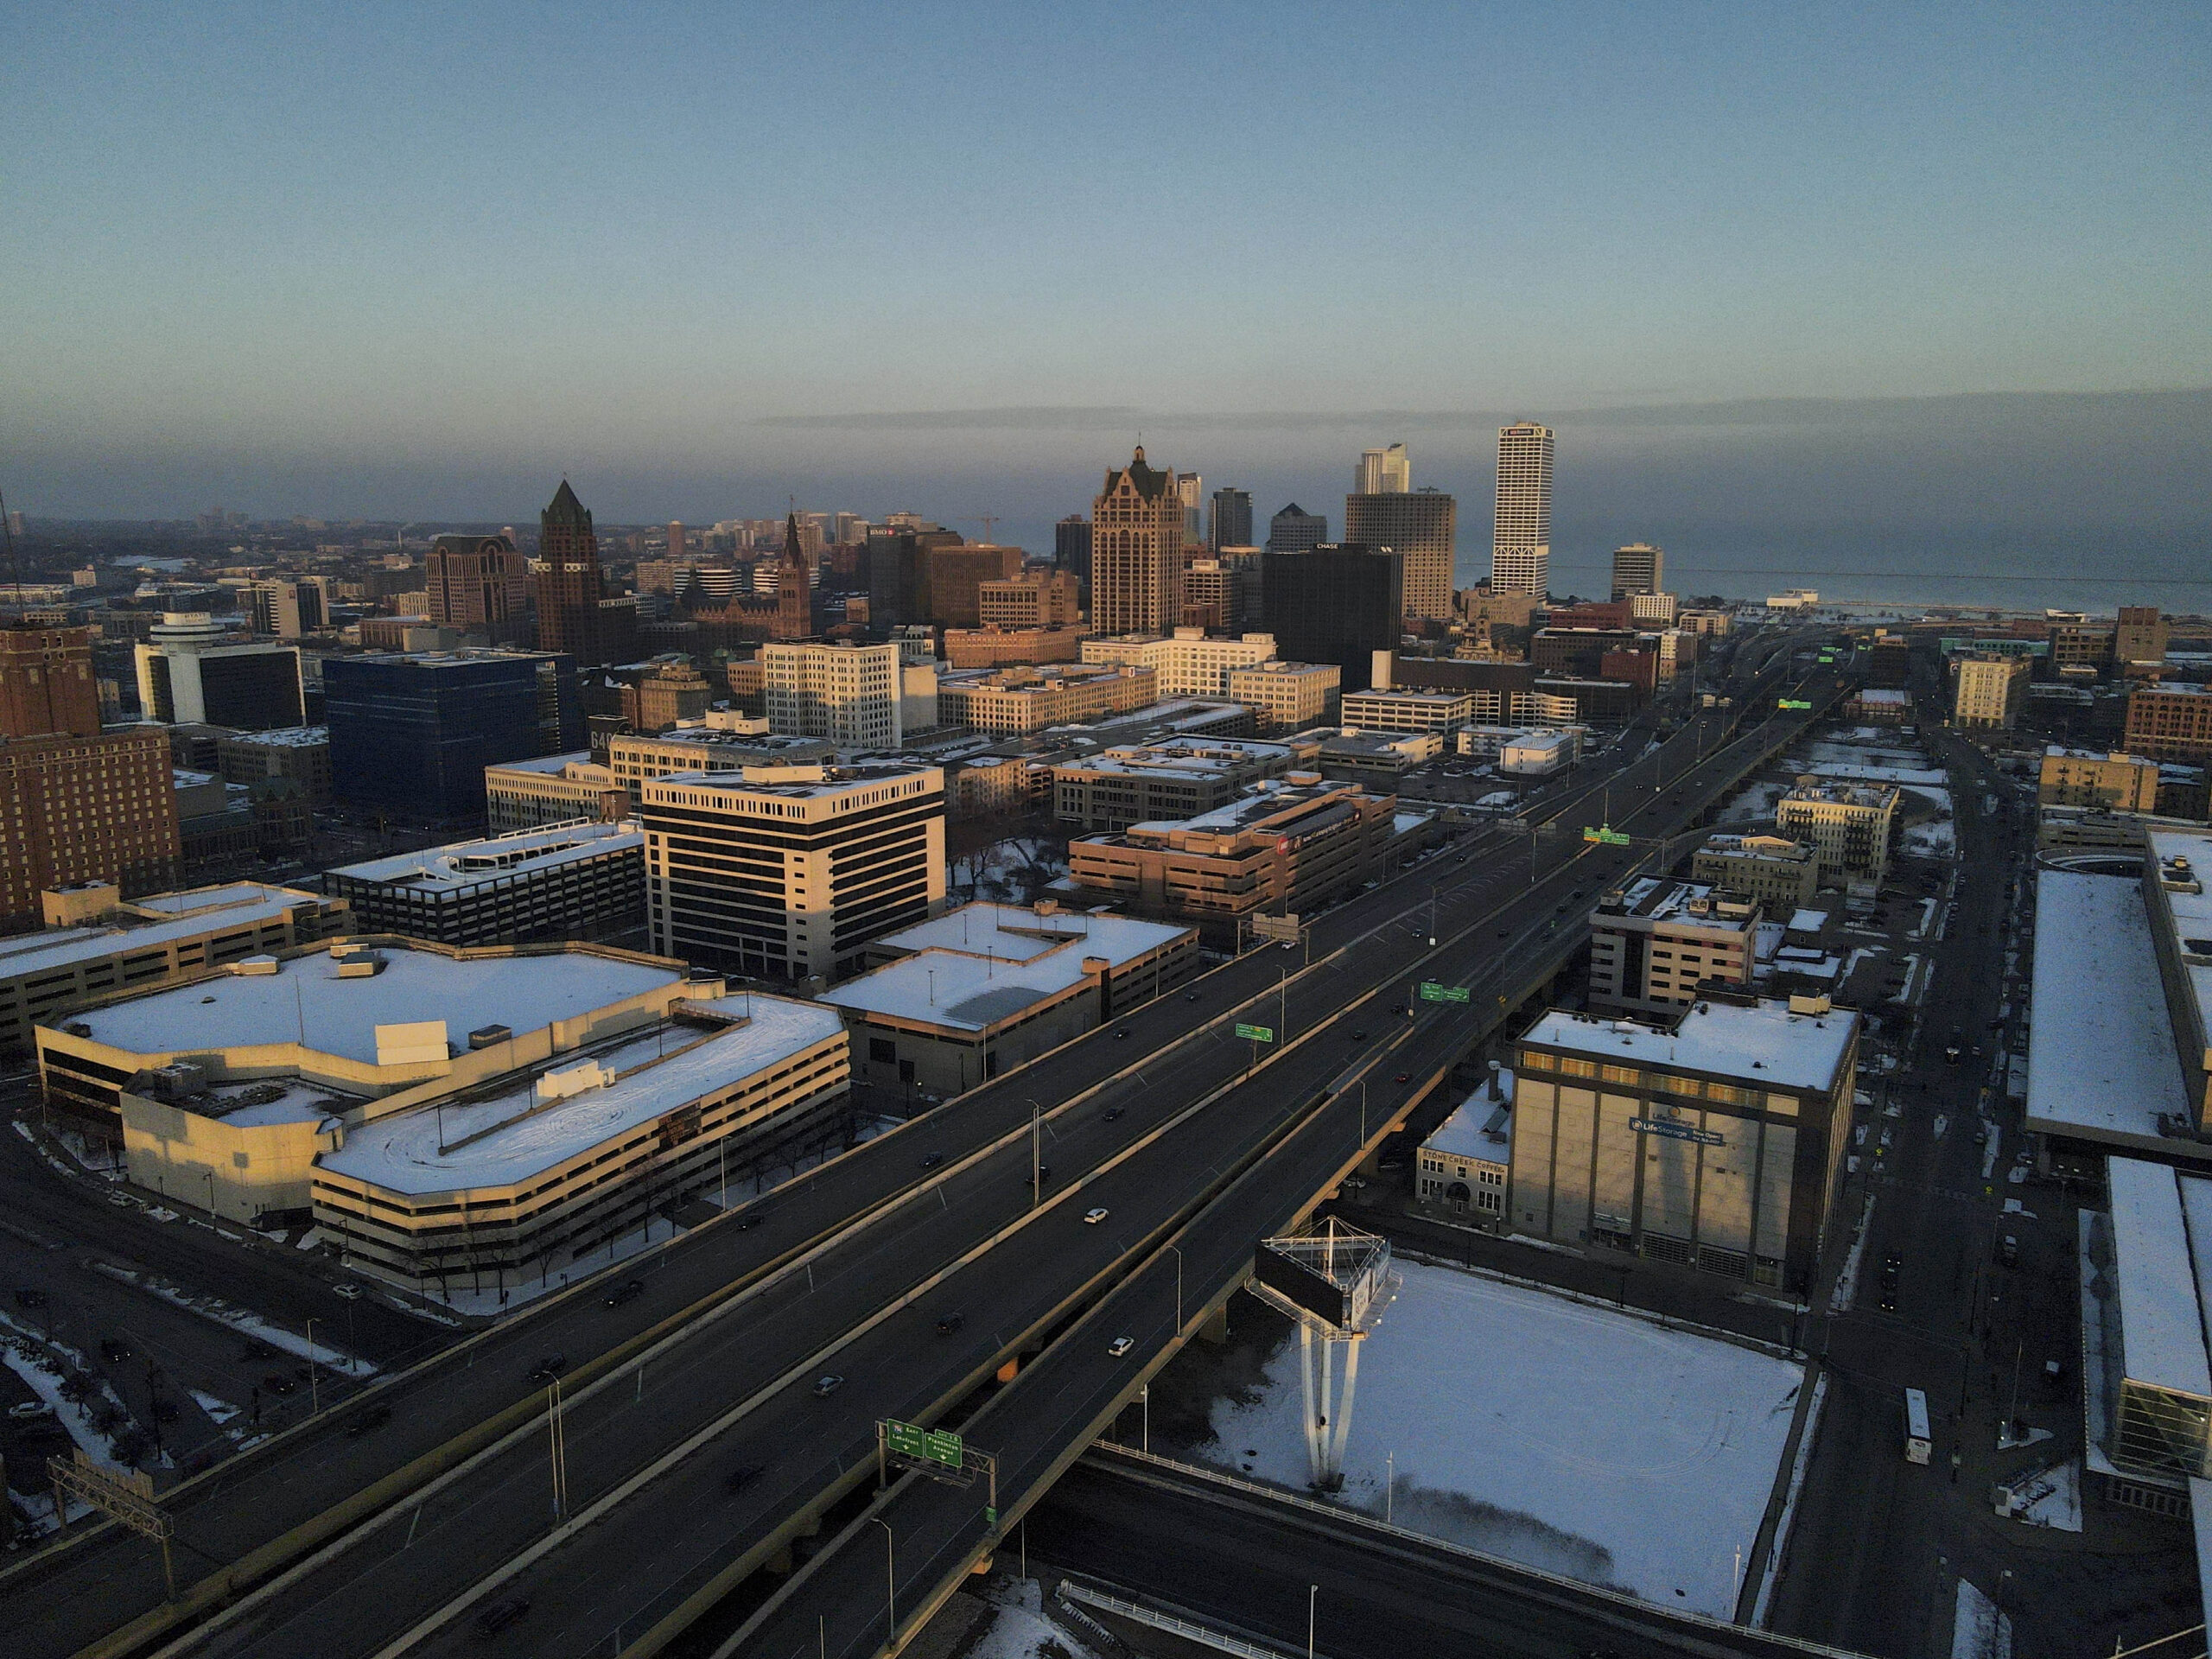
pixel 1219 1641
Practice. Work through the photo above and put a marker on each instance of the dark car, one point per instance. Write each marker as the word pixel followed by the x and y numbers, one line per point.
pixel 549 1368
pixel 114 1350
pixel 931 1160
pixel 279 1384
pixel 1120 1032
pixel 1405 1076
pixel 739 1477
pixel 500 1614
pixel 1043 1174
pixel 827 1384
pixel 367 1422
pixel 1189 996
pixel 1113 1112
pixel 628 1290
pixel 1358 1035
pixel 2008 1250
pixel 30 1296
pixel 255 1348
pixel 948 1323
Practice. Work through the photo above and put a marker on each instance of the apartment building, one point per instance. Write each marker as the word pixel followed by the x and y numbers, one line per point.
pixel 1188 663
pixel 2114 781
pixel 1406 710
pixel 1032 600
pixel 2170 722
pixel 1655 943
pixel 849 695
pixel 551 789
pixel 1783 876
pixel 1848 826
pixel 1015 702
pixel 788 872
pixel 1003 647
pixel 1289 696
pixel 1989 692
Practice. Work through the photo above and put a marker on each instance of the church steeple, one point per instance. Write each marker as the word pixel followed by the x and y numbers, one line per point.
pixel 794 554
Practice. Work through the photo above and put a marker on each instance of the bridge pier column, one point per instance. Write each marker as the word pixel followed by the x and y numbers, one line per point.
pixel 1215 1329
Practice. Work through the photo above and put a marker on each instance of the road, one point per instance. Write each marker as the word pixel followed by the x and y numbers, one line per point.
pixel 1251 1563
pixel 1041 1421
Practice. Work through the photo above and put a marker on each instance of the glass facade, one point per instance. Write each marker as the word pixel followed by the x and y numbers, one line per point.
pixel 411 736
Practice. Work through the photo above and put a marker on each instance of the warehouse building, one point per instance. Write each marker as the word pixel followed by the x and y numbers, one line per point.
pixel 551 789
pixel 1175 777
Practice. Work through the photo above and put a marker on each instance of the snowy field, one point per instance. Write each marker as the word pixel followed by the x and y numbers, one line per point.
pixel 1570 1437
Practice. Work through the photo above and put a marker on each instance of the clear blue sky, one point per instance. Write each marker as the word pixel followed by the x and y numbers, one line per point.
pixel 315 254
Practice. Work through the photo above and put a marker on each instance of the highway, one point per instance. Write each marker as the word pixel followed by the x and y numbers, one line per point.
pixel 1244 1561
pixel 754 1356
pixel 1059 1403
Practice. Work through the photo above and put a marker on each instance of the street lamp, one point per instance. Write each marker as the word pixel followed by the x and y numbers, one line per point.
pixel 890 1578
pixel 315 1393
pixel 1312 1593
pixel 1178 1287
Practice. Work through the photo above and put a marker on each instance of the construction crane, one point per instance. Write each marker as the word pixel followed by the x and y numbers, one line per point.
pixel 989 521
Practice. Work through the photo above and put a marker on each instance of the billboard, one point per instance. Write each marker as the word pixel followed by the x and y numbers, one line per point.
pixel 1300 1285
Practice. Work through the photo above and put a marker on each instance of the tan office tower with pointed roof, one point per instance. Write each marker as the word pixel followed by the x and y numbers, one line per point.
pixel 1520 552
pixel 1136 551
pixel 570 584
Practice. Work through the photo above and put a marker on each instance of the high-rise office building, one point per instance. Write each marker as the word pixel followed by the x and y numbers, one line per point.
pixel 1190 489
pixel 1521 548
pixel 899 570
pixel 411 734
pixel 785 872
pixel 1382 471
pixel 198 670
pixel 1637 569
pixel 2140 636
pixel 675 547
pixel 1230 519
pixel 1136 550
pixel 570 585
pixel 1294 528
pixel 1423 527
pixel 847 694
pixel 480 585
pixel 1071 546
pixel 957 577
pixel 285 607
pixel 1336 603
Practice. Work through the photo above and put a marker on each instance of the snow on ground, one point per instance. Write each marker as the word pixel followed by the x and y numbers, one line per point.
pixel 1756 801
pixel 1978 1630
pixel 1937 840
pixel 1772 1576
pixel 2060 1507
pixel 1859 771
pixel 1014 870
pixel 1019 1629
pixel 1846 1281
pixel 240 1319
pixel 35 1360
pixel 1529 1462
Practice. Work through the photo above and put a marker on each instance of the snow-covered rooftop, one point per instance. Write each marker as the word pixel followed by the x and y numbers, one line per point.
pixel 2191 912
pixel 2162 1325
pixel 340 1016
pixel 997 974
pixel 1479 1126
pixel 544 763
pixel 466 863
pixel 247 905
pixel 2100 1051
pixel 286 737
pixel 510 1137
pixel 1764 1045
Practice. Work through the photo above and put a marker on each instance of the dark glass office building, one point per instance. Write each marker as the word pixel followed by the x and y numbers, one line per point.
pixel 411 734
pixel 1072 545
pixel 1338 603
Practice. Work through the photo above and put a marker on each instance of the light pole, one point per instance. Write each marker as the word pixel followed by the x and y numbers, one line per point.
pixel 1312 1594
pixel 1178 1287
pixel 1390 1485
pixel 315 1393
pixel 1431 915
pixel 890 1578
pixel 1036 1154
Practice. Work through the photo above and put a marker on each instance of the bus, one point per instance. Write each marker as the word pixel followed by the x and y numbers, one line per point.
pixel 1916 1447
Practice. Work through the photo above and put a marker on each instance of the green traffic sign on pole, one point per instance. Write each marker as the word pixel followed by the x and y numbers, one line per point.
pixel 908 1440
pixel 1795 703
pixel 1604 835
pixel 944 1448
pixel 1256 1033
pixel 1432 992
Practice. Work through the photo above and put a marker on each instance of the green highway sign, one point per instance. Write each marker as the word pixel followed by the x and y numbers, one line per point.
pixel 908 1440
pixel 1794 703
pixel 943 1448
pixel 1432 992
pixel 1256 1033
pixel 1605 835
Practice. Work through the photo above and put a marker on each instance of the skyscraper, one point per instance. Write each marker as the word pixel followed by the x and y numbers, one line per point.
pixel 1382 471
pixel 480 585
pixel 1072 545
pixel 1230 519
pixel 1521 548
pixel 1336 604
pixel 1637 569
pixel 45 683
pixel 195 669
pixel 569 582
pixel 1190 489
pixel 1422 525
pixel 412 735
pixel 1136 550
pixel 1294 528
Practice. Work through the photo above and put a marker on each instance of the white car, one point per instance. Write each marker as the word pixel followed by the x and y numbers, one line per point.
pixel 346 1293
pixel 1119 1345
pixel 1092 1218
pixel 30 1408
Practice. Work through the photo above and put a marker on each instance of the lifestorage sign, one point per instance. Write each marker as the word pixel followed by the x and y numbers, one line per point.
pixel 1675 1131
